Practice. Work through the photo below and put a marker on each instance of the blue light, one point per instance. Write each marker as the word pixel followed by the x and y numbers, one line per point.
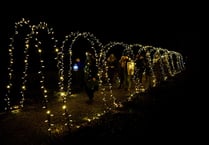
pixel 75 67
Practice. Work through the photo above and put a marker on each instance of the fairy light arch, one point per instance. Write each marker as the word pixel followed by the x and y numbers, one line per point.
pixel 171 55
pixel 10 84
pixel 34 31
pixel 177 64
pixel 148 50
pixel 136 49
pixel 128 51
pixel 106 50
pixel 158 65
pixel 164 60
pixel 171 60
pixel 165 56
pixel 73 37
pixel 42 72
pixel 180 62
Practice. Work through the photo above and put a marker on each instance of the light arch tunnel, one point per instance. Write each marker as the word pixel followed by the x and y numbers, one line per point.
pixel 160 62
pixel 167 63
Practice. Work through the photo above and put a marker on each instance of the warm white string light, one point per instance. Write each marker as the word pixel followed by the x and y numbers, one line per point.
pixel 42 70
pixel 136 78
pixel 171 63
pixel 162 71
pixel 106 50
pixel 32 35
pixel 73 37
pixel 11 72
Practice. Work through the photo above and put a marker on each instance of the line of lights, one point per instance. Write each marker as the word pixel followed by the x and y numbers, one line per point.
pixel 136 77
pixel 106 49
pixel 73 37
pixel 166 61
pixel 11 72
pixel 42 71
pixel 32 35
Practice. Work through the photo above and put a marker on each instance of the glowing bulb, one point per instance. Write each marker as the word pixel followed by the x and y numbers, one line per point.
pixel 56 50
pixel 23 87
pixel 64 107
pixel 27 45
pixel 75 67
pixel 62 94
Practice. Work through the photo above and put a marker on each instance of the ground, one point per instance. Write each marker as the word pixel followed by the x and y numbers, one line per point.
pixel 157 114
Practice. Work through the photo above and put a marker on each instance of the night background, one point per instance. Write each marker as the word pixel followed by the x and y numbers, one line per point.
pixel 170 119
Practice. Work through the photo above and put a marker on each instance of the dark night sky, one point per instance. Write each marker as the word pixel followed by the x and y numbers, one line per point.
pixel 116 28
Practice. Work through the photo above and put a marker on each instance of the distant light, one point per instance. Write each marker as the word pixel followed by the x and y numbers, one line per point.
pixel 75 67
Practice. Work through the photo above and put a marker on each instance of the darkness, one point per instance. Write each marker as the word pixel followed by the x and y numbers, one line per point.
pixel 166 34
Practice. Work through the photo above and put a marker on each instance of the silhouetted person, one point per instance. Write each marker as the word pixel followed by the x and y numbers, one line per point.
pixel 91 87
pixel 90 76
pixel 123 71
pixel 140 64
pixel 112 64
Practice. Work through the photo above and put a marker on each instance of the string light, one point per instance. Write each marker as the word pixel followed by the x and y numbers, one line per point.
pixel 42 70
pixel 10 84
pixel 31 35
pixel 73 37
pixel 170 63
pixel 106 50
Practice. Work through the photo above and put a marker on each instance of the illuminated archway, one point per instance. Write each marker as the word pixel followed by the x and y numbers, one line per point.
pixel 169 63
pixel 66 89
pixel 31 36
pixel 11 71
